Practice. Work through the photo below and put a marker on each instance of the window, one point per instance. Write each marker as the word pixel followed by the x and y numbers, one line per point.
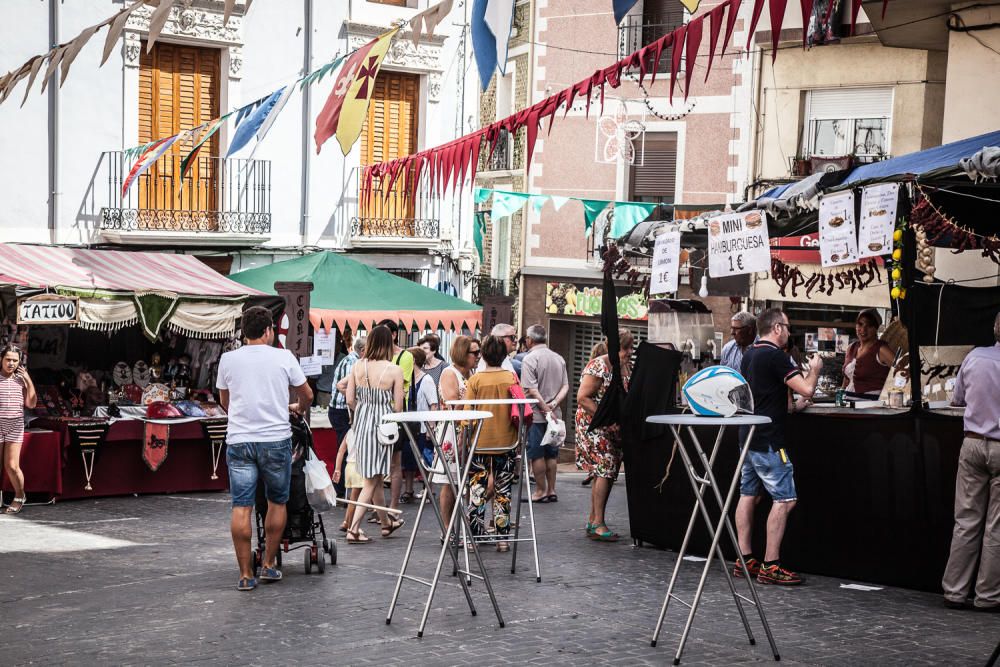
pixel 500 265
pixel 655 180
pixel 848 121
pixel 658 18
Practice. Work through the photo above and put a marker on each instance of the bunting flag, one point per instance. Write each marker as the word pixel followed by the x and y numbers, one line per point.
pixel 428 20
pixel 621 8
pixel 317 76
pixel 479 232
pixel 271 117
pixel 484 43
pixel 255 121
pixel 189 158
pixel 591 209
pixel 627 214
pixel 146 160
pixel 691 5
pixel 499 19
pixel 507 203
pixel 345 109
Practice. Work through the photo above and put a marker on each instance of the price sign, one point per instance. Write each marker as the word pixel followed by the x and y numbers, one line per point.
pixel 738 244
pixel 838 243
pixel 878 219
pixel 666 257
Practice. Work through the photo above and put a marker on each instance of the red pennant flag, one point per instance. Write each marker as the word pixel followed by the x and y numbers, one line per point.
pixel 714 28
pixel 659 46
pixel 807 10
pixel 533 135
pixel 758 7
pixel 777 16
pixel 734 10
pixel 855 9
pixel 885 6
pixel 675 58
pixel 694 30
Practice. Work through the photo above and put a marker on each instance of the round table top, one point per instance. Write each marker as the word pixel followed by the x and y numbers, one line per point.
pixel 698 420
pixel 494 401
pixel 437 416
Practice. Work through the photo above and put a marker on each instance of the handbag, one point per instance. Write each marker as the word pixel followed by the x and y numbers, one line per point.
pixel 517 391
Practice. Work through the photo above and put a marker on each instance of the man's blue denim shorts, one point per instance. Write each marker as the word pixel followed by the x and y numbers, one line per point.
pixel 536 450
pixel 772 470
pixel 270 461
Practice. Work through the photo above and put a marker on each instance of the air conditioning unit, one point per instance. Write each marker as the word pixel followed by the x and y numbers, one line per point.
pixel 825 164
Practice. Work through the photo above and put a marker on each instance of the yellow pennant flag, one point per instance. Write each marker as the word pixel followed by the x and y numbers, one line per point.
pixel 691 5
pixel 348 104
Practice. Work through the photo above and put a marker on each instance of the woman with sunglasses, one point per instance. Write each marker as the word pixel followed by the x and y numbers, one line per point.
pixel 465 354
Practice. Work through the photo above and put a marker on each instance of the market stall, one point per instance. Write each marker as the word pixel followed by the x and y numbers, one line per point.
pixel 876 484
pixel 123 348
pixel 349 296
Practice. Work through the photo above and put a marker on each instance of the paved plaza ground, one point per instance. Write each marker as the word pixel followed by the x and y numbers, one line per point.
pixel 151 580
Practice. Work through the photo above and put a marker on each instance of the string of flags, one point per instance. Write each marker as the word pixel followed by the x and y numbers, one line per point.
pixel 627 214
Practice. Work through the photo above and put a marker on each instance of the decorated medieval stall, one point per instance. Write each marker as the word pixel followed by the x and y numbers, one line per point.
pixel 123 348
pixel 914 236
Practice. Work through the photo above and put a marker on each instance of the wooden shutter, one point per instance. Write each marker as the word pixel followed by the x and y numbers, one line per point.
pixel 656 178
pixel 389 132
pixel 178 90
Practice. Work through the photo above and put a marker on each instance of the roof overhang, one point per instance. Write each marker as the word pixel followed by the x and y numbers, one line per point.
pixel 913 24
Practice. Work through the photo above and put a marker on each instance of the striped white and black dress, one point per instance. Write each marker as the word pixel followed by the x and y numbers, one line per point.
pixel 371 456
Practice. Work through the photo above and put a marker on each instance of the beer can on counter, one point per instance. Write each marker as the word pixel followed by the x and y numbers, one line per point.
pixel 840 398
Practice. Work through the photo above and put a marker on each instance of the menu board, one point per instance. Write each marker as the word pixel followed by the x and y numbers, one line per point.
pixel 738 244
pixel 878 219
pixel 838 243
pixel 666 257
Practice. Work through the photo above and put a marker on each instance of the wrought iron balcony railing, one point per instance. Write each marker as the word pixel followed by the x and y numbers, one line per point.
pixel 502 158
pixel 634 33
pixel 394 213
pixel 216 195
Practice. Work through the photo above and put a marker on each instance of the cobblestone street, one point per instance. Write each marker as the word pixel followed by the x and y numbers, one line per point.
pixel 151 580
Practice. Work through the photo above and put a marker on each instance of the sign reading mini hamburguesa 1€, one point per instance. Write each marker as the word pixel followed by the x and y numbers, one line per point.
pixel 48 309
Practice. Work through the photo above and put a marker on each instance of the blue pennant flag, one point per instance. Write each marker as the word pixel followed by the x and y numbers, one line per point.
pixel 621 9
pixel 484 44
pixel 246 130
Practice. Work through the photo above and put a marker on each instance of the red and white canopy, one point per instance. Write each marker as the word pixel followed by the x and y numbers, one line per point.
pixel 74 268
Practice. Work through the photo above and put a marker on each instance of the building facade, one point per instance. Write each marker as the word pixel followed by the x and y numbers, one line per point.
pixel 65 154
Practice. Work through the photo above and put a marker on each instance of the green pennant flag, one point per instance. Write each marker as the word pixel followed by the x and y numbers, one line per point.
pixel 628 215
pixel 478 231
pixel 591 209
pixel 186 162
pixel 481 195
pixel 538 201
pixel 317 76
pixel 507 203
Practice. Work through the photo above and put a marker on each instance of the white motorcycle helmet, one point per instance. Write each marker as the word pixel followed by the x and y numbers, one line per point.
pixel 718 391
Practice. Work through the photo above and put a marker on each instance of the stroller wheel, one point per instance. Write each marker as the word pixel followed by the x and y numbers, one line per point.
pixel 321 563
pixel 326 545
pixel 309 562
pixel 333 552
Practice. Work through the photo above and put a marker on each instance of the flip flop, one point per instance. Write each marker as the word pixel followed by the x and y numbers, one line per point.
pixel 270 574
pixel 552 499
pixel 607 536
pixel 358 537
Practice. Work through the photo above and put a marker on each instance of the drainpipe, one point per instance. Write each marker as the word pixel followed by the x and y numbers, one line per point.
pixel 53 127
pixel 306 115
pixel 525 217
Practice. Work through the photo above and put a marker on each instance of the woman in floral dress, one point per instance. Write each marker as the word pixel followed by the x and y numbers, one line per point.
pixel 599 453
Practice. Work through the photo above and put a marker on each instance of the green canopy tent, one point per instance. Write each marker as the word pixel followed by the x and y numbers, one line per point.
pixel 347 293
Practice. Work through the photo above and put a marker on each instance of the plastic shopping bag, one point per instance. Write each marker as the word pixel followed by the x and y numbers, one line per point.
pixel 555 431
pixel 319 487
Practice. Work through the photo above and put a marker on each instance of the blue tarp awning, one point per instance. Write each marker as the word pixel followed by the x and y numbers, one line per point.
pixel 924 161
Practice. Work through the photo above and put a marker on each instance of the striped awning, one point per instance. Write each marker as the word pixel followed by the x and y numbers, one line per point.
pixel 111 270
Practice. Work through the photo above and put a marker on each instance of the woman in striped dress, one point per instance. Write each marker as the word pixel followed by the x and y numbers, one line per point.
pixel 374 389
pixel 17 392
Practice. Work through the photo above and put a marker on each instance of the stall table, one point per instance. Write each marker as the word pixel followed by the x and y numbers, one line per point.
pixel 120 470
pixel 40 456
pixel 876 491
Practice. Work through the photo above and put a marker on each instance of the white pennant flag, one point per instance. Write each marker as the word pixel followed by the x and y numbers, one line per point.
pixel 499 19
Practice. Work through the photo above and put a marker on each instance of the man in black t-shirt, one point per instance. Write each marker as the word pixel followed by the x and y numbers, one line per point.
pixel 771 374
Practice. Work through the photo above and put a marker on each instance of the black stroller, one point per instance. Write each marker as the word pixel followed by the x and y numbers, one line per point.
pixel 304 529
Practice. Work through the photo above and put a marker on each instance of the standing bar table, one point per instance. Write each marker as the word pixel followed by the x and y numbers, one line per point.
pixel 467 425
pixel 523 480
pixel 700 480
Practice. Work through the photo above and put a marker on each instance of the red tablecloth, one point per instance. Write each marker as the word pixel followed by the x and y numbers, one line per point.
pixel 325 443
pixel 40 463
pixel 120 470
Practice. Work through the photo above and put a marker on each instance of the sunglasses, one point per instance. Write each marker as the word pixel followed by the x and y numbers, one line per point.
pixel 475 352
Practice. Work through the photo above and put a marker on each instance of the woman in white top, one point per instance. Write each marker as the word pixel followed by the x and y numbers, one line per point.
pixel 465 353
pixel 374 389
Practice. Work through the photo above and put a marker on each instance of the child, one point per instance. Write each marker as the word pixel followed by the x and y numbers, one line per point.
pixel 352 480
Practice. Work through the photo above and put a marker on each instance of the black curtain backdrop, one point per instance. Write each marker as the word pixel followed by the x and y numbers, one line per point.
pixel 876 496
pixel 965 318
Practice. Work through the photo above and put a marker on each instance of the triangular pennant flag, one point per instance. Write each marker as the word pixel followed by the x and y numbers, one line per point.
pixel 186 162
pixel 499 18
pixel 675 58
pixel 693 41
pixel 157 21
pixel 36 64
pixel 628 215
pixel 254 122
pixel 73 49
pixel 507 203
pixel 714 28
pixel 731 16
pixel 484 43
pixel 591 209
pixel 478 232
pixel 116 27
pixel 621 8
pixel 777 16
pixel 758 7
pixel 538 201
pixel 558 201
pixel 147 159
pixel 807 10
pixel 855 9
pixel 479 195
pixel 271 117
pixel 691 5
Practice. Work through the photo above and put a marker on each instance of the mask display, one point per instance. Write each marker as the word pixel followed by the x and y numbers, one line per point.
pixel 141 373
pixel 122 374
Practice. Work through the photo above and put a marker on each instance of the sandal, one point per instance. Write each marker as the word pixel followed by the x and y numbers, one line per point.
pixel 607 535
pixel 552 498
pixel 20 505
pixel 590 530
pixel 393 527
pixel 343 527
pixel 406 497
pixel 358 537
pixel 246 584
pixel 374 519
pixel 503 547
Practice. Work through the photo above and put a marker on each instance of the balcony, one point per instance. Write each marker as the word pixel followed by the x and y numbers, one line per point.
pixel 219 202
pixel 502 159
pixel 393 218
pixel 636 32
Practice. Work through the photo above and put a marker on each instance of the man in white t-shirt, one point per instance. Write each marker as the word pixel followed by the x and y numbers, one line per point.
pixel 253 383
pixel 508 335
